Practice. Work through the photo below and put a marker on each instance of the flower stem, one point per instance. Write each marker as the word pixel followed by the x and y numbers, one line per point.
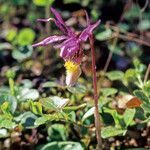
pixel 96 114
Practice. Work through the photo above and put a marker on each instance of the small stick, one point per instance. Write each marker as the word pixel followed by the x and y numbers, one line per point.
pixel 96 114
pixel 147 73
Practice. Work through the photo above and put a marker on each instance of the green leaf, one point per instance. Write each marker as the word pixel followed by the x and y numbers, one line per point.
pixel 27 119
pixel 26 94
pixel 41 120
pixel 104 35
pixel 73 108
pixel 111 131
pixel 22 53
pixel 128 116
pixel 6 122
pixel 11 35
pixel 133 12
pixel 54 102
pixel 50 84
pixel 146 88
pixel 130 75
pixel 146 108
pixel 43 2
pixel 115 75
pixel 50 117
pixel 3 133
pixel 117 118
pixel 25 37
pixel 108 91
pixel 36 107
pixel 61 146
pixel 77 89
pixel 57 132
pixel 89 113
pixel 71 1
pixel 10 99
pixel 140 94
pixel 144 25
pixel 20 2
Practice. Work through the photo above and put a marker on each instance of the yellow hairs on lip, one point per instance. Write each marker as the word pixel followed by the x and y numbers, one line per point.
pixel 73 72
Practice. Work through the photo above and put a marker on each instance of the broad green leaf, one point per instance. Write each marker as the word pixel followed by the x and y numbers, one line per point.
pixel 26 94
pixel 104 35
pixel 146 107
pixel 7 123
pixel 25 37
pixel 57 132
pixel 22 53
pixel 89 113
pixel 43 2
pixel 4 133
pixel 140 94
pixel 128 116
pixel 50 117
pixel 130 75
pixel 144 25
pixel 111 131
pixel 41 120
pixel 108 91
pixel 78 89
pixel 68 145
pixel 117 118
pixel 133 12
pixel 54 102
pixel 26 119
pixel 115 75
pixel 11 34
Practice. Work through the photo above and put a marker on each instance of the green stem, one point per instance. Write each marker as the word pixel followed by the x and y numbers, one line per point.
pixel 11 86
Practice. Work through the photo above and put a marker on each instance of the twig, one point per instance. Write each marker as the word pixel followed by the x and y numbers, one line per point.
pixel 96 114
pixel 111 52
pixel 47 15
pixel 129 38
pixel 147 73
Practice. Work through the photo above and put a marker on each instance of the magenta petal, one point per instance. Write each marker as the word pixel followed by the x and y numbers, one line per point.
pixel 69 47
pixel 50 40
pixel 60 22
pixel 58 16
pixel 87 31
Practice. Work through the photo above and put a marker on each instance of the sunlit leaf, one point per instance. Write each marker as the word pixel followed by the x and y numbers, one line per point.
pixel 111 131
pixel 43 2
pixel 128 116
pixel 25 37
pixel 68 145
pixel 115 75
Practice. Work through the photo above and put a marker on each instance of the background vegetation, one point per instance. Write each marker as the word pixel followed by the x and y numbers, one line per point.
pixel 37 110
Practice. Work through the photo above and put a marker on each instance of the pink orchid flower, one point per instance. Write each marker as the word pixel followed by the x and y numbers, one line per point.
pixel 69 42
